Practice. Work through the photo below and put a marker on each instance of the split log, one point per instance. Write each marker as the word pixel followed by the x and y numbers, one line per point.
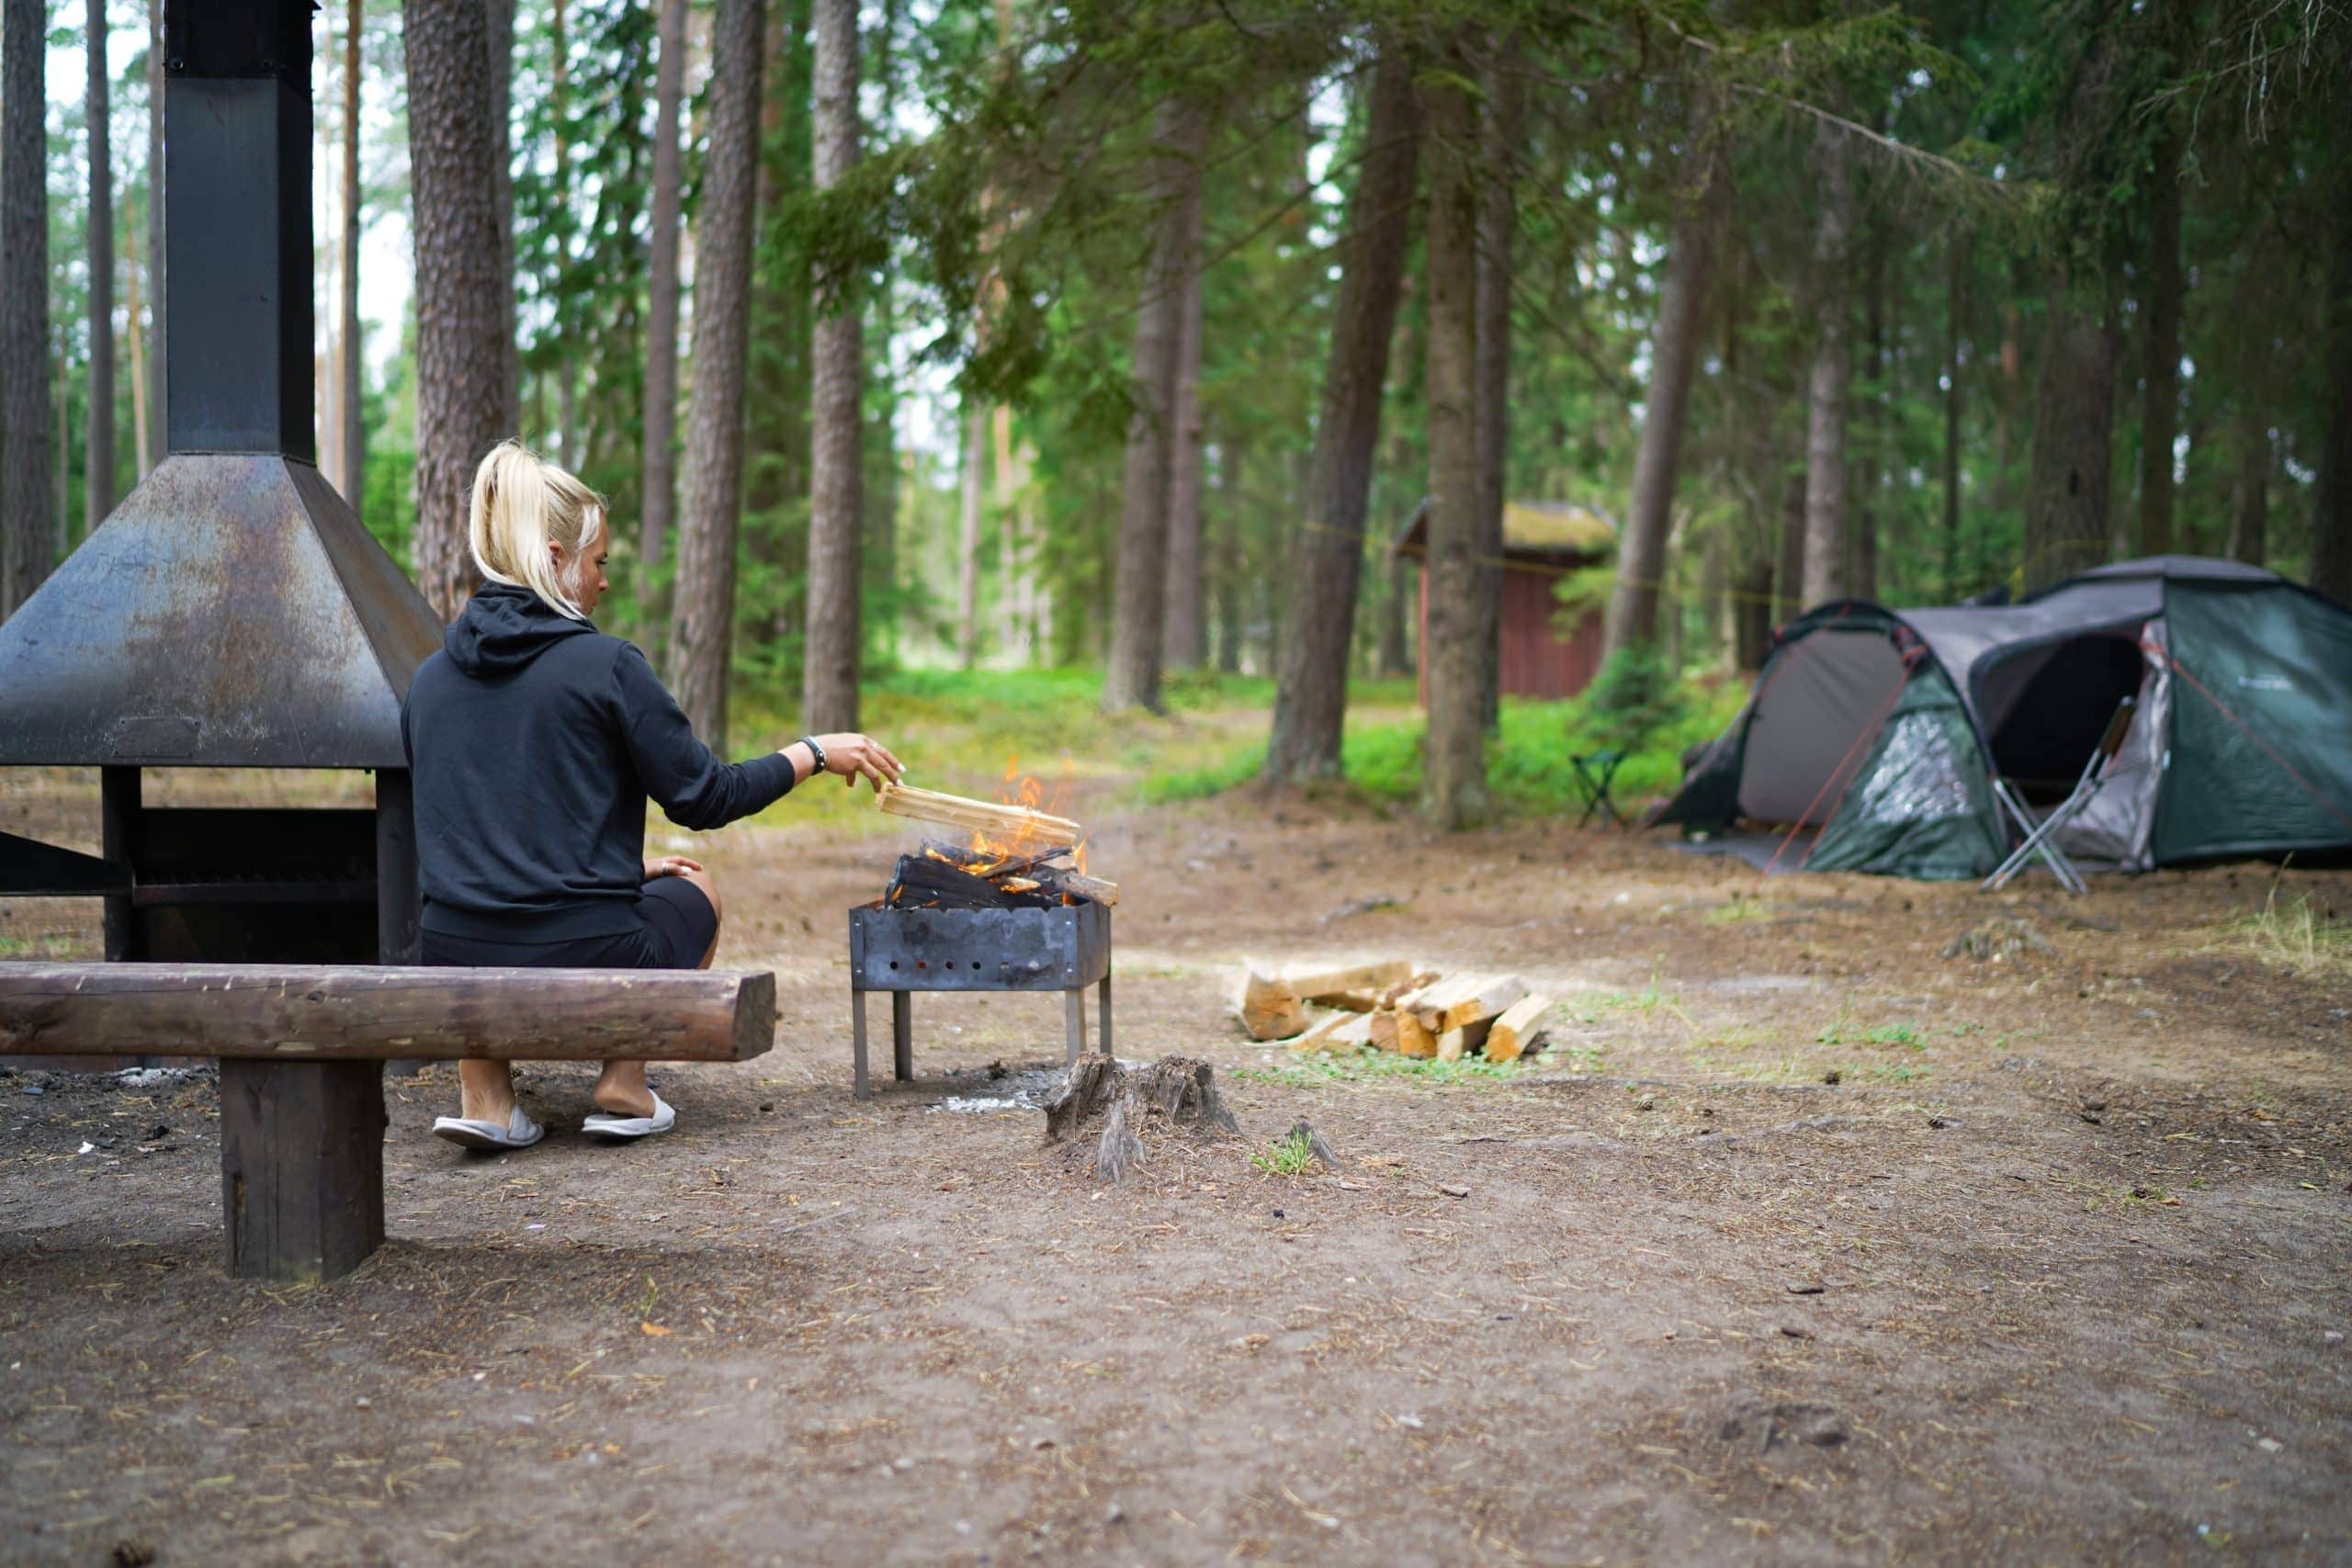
pixel 1412 1038
pixel 1315 986
pixel 1059 880
pixel 1340 1031
pixel 1464 998
pixel 1014 825
pixel 1455 1043
pixel 1268 1009
pixel 1517 1029
pixel 1269 1003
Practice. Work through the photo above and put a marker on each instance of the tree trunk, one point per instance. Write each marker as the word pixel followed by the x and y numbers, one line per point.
pixel 154 388
pixel 500 46
pixel 352 445
pixel 971 487
pixel 1232 468
pixel 2332 519
pixel 658 459
pixel 143 438
pixel 1674 346
pixel 1185 634
pixel 2250 516
pixel 1454 769
pixel 1327 558
pixel 25 547
pixel 1788 573
pixel 463 293
pixel 837 468
pixel 98 472
pixel 2160 361
pixel 703 624
pixel 1506 95
pixel 567 443
pixel 1138 607
pixel 2066 501
pixel 1827 385
pixel 1861 575
pixel 1956 307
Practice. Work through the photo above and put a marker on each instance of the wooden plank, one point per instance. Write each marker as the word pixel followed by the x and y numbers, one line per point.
pixel 305 1013
pixel 302 1166
pixel 1015 825
pixel 1518 1027
pixel 1464 998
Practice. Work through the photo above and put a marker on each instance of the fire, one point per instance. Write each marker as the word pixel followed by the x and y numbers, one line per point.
pixel 1028 791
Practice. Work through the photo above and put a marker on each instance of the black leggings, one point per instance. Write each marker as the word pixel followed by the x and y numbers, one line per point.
pixel 675 926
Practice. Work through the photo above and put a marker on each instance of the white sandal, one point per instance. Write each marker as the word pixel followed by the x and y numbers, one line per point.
pixel 622 1129
pixel 517 1132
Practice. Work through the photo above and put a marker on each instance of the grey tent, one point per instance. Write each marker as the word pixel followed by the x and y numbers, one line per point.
pixel 1878 731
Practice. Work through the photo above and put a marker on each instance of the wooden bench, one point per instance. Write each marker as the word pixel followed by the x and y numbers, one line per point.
pixel 302 1049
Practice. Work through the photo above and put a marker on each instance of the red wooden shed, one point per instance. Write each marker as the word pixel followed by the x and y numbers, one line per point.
pixel 1542 542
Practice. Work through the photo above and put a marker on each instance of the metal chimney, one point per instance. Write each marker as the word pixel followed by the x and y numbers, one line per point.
pixel 231 611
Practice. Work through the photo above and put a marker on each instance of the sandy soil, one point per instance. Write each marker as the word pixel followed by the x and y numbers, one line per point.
pixel 2054 1271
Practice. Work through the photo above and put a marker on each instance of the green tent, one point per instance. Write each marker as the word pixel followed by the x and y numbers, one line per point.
pixel 1873 735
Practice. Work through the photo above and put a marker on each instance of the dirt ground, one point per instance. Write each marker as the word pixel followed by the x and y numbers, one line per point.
pixel 2055 1270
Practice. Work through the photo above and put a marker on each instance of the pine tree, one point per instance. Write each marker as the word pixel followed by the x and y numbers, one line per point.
pixel 702 622
pixel 829 687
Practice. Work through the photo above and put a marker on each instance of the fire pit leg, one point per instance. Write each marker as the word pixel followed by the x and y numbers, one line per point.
pixel 1103 998
pixel 902 1038
pixel 857 1040
pixel 1074 1017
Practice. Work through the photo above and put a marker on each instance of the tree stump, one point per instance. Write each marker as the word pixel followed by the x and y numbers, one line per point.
pixel 1126 1098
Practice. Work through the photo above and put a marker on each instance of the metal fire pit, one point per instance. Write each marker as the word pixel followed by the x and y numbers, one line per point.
pixel 905 951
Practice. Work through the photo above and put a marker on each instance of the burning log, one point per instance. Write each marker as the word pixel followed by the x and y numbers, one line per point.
pixel 925 882
pixel 1014 825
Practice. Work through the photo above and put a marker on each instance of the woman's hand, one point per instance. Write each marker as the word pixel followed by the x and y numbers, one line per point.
pixel 852 755
pixel 669 865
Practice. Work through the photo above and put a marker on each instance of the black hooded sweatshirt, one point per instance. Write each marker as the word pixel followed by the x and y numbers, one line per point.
pixel 534 740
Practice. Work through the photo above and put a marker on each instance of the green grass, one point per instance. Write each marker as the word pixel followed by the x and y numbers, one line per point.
pixel 1290 1155
pixel 1740 907
pixel 961 730
pixel 1528 771
pixel 2299 933
pixel 1371 1067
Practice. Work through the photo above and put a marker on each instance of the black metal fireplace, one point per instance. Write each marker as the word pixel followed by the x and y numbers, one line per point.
pixel 231 612
pixel 902 949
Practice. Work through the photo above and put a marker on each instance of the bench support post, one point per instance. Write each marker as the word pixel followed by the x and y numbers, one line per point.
pixel 302 1166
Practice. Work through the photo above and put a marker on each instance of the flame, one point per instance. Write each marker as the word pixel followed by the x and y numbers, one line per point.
pixel 1028 791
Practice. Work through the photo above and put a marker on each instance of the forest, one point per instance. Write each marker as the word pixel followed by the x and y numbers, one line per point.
pixel 1124 338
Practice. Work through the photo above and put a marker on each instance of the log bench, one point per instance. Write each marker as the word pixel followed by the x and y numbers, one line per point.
pixel 302 1049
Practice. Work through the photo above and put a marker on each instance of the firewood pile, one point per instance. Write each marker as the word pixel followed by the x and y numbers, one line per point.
pixel 1394 1005
pixel 1018 858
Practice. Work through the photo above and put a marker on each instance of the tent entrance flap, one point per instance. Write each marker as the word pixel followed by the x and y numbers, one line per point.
pixel 2045 705
pixel 1809 719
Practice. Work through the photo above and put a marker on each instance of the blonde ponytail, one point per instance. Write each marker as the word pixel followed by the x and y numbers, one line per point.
pixel 521 504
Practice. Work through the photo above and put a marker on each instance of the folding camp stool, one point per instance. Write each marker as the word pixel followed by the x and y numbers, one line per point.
pixel 2041 838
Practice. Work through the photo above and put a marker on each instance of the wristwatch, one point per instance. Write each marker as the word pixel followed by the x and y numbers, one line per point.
pixel 814 751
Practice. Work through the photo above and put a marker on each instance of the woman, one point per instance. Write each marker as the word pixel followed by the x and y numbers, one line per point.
pixel 534 741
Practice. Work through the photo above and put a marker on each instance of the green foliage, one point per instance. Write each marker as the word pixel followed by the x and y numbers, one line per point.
pixel 1291 1155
